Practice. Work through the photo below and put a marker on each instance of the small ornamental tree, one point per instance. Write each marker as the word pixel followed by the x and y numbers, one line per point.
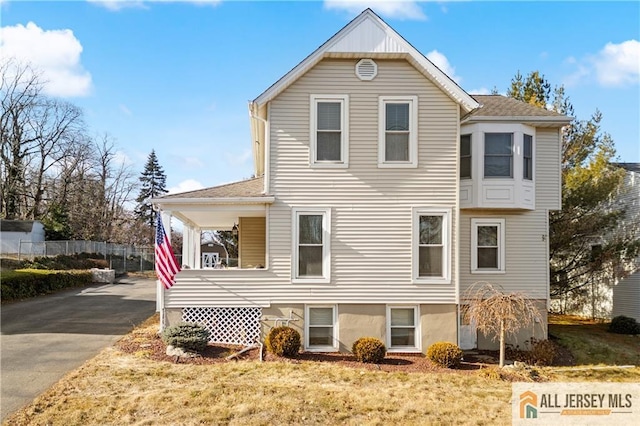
pixel 498 313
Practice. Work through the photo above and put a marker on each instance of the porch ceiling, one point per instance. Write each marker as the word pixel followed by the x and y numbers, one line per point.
pixel 218 218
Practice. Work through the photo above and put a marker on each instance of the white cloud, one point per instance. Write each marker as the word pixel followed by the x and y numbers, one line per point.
pixel 616 65
pixel 387 8
pixel 192 162
pixel 122 158
pixel 185 185
pixel 116 5
pixel 56 53
pixel 480 91
pixel 442 62
pixel 238 160
pixel 125 110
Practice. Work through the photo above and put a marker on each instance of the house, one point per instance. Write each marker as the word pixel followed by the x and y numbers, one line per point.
pixel 18 236
pixel 382 192
pixel 626 292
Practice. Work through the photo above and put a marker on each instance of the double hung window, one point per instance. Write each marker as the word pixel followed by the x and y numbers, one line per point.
pixel 398 134
pixel 527 157
pixel 329 130
pixel 431 245
pixel 487 245
pixel 321 328
pixel 310 260
pixel 465 157
pixel 403 330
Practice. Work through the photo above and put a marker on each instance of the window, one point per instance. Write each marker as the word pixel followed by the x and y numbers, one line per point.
pixel 310 259
pixel 527 157
pixel 465 157
pixel 398 138
pixel 329 130
pixel 431 245
pixel 498 155
pixel 321 328
pixel 487 245
pixel 403 331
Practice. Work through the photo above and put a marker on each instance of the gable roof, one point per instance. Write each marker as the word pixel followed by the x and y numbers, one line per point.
pixel 369 36
pixel 630 167
pixel 502 108
pixel 242 190
pixel 16 225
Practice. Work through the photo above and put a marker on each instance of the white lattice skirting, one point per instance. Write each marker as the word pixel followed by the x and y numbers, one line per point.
pixel 234 326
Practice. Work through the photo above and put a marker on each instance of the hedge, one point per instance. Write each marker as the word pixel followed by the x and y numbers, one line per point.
pixel 25 283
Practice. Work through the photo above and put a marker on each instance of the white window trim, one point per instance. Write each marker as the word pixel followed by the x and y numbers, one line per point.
pixel 307 346
pixel 344 131
pixel 500 223
pixel 326 245
pixel 533 157
pixel 413 132
pixel 418 333
pixel 446 243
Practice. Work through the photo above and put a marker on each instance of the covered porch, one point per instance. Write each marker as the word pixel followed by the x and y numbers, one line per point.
pixel 239 208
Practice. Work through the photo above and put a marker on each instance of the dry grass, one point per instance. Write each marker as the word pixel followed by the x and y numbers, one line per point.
pixel 591 343
pixel 134 389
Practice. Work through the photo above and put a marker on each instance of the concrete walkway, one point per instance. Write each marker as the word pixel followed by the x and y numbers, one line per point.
pixel 44 338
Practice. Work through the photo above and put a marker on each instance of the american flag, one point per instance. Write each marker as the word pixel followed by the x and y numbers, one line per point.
pixel 166 264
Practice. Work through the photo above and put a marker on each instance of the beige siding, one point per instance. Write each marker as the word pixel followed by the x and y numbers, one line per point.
pixel 370 207
pixel 626 297
pixel 526 252
pixel 547 172
pixel 251 242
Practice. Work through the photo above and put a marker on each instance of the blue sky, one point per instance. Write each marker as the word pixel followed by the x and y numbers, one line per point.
pixel 175 76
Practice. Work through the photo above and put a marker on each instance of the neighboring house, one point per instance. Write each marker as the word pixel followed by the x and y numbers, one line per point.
pixel 213 255
pixel 626 292
pixel 13 232
pixel 383 191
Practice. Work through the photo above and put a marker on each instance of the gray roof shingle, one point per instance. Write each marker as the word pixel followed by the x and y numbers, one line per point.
pixel 244 189
pixel 502 106
pixel 16 225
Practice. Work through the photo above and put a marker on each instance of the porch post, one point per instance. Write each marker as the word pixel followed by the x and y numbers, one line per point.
pixel 197 234
pixel 160 291
pixel 186 246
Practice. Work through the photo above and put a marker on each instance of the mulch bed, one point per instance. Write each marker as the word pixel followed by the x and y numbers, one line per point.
pixel 149 345
pixel 146 342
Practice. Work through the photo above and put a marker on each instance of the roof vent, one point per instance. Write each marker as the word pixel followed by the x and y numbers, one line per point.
pixel 366 69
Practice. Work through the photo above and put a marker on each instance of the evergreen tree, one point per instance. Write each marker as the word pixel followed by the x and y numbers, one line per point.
pixel 588 242
pixel 153 184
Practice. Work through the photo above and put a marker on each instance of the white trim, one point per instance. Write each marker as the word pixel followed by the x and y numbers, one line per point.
pixel 344 131
pixel 326 244
pixel 424 65
pixel 213 200
pixel 501 225
pixel 417 333
pixel 445 213
pixel 413 131
pixel 307 324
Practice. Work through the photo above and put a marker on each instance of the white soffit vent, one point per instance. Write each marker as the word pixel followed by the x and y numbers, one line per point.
pixel 366 69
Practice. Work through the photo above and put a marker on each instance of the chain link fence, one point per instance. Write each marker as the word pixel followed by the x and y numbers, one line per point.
pixel 121 258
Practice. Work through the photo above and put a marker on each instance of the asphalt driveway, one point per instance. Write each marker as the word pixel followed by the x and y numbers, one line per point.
pixel 44 338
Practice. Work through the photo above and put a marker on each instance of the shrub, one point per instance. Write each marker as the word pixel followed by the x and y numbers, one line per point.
pixel 283 341
pixel 22 284
pixel 624 325
pixel 369 350
pixel 188 336
pixel 445 354
pixel 543 352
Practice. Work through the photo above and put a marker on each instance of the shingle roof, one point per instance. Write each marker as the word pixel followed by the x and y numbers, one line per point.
pixel 244 189
pixel 16 225
pixel 502 106
pixel 631 167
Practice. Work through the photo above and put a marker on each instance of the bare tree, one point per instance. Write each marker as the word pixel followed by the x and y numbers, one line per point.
pixel 37 132
pixel 498 313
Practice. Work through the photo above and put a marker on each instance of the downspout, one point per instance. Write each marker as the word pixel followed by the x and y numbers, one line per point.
pixel 254 116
